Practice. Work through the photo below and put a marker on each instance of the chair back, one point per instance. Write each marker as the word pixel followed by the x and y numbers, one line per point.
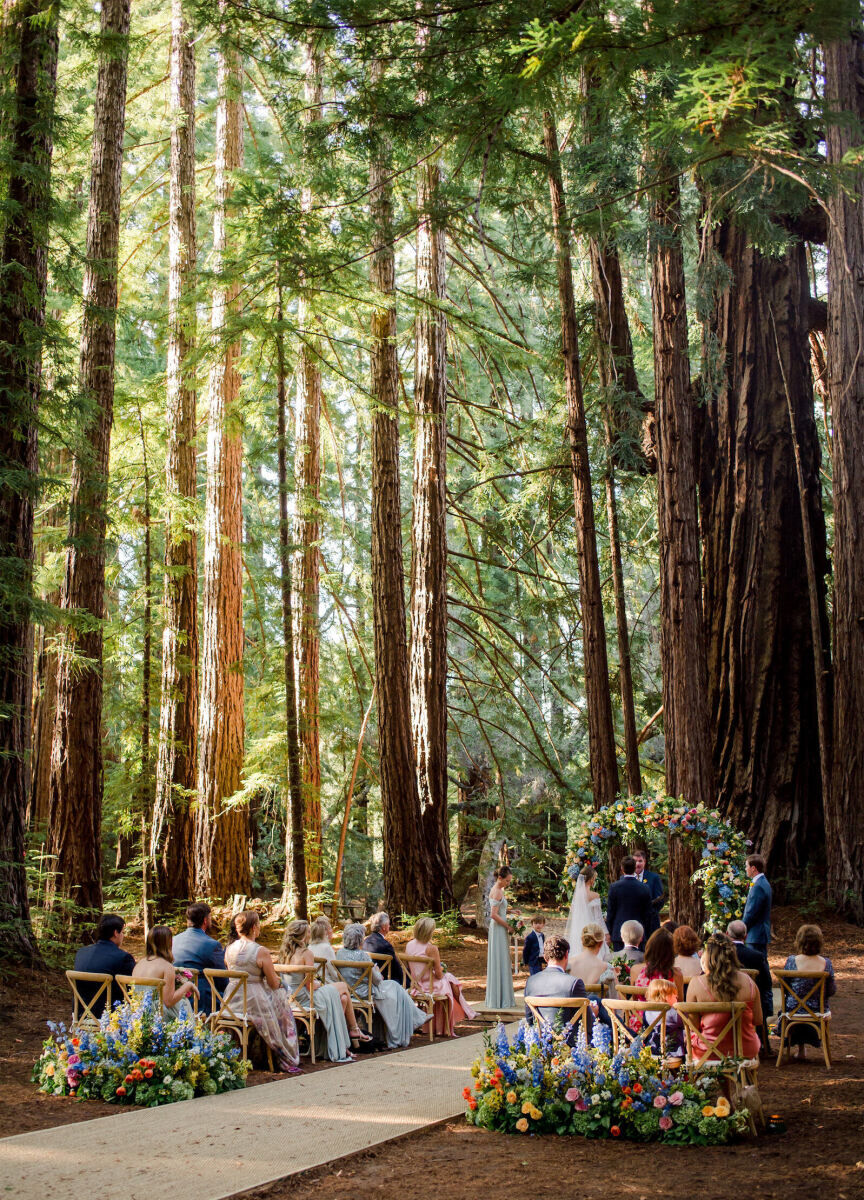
pixel 307 980
pixel 229 1006
pixel 751 971
pixel 691 1015
pixel 362 982
pixel 623 1030
pixel 546 1008
pixel 418 973
pixel 133 987
pixel 800 1009
pixel 600 990
pixel 384 963
pixel 82 1010
pixel 631 991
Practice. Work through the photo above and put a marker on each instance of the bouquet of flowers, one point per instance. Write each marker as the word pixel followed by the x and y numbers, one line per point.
pixel 138 1057
pixel 621 966
pixel 540 1084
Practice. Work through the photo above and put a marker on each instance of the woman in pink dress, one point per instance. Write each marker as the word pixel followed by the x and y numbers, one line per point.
pixel 723 982
pixel 436 979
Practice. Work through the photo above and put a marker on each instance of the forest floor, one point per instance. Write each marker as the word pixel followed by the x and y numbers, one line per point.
pixel 821 1152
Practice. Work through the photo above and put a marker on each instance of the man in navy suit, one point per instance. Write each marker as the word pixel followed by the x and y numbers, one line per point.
pixel 655 886
pixel 104 957
pixel 629 900
pixel 555 981
pixel 753 960
pixel 195 948
pixel 757 910
pixel 532 950
pixel 376 943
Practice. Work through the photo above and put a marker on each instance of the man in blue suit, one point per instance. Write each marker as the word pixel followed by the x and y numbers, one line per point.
pixel 105 957
pixel 532 951
pixel 757 910
pixel 655 886
pixel 628 900
pixel 195 948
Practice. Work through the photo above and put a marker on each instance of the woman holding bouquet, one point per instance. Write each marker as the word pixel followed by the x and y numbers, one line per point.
pixel 158 963
pixel 499 966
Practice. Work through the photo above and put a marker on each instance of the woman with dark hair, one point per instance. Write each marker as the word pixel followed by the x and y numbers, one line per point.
pixel 158 963
pixel 267 1003
pixel 499 963
pixel 659 963
pixel 808 957
pixel 685 942
pixel 723 982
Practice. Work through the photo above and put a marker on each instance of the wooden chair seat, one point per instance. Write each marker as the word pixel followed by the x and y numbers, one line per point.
pixel 304 1013
pixel 801 1014
pixel 83 1016
pixel 420 984
pixel 546 1008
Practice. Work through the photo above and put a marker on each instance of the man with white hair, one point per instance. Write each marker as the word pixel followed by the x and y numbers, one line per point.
pixel 376 943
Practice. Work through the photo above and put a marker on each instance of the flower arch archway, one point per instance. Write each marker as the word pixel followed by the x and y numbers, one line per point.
pixel 722 848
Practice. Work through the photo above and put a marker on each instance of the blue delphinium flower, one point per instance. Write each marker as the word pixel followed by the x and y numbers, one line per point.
pixel 502 1043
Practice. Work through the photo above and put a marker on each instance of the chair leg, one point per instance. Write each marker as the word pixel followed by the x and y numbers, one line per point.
pixel 312 1023
pixel 783 1031
pixel 826 1045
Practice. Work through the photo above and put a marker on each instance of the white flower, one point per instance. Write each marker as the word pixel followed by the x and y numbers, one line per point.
pixel 606 1095
pixel 167 1079
pixel 595 1099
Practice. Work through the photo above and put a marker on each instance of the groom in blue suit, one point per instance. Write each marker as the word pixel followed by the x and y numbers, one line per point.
pixel 757 910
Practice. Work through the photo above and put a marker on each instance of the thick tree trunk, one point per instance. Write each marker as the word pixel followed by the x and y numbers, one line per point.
pixel 308 525
pixel 75 815
pixel 689 767
pixel 844 807
pixel 407 883
pixel 172 845
pixel 222 831
pixel 601 729
pixel 30 32
pixel 476 813
pixel 429 536
pixel 295 892
pixel 761 677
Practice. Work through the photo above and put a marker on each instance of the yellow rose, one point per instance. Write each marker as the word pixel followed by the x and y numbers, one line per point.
pixel 522 1125
pixel 722 1107
pixel 50 1069
pixel 527 1106
pixel 536 1114
pixel 511 1097
pixel 707 1111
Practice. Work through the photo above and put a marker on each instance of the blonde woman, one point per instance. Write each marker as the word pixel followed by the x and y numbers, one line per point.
pixel 158 963
pixel 589 965
pixel 332 1000
pixel 436 979
pixel 266 999
pixel 321 946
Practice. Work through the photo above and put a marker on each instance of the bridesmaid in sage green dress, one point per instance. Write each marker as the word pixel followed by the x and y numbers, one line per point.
pixel 499 967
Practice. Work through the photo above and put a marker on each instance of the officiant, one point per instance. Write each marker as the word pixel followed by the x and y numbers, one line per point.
pixel 655 886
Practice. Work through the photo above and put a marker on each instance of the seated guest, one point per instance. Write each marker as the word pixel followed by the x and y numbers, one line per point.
pixel 267 1003
pixel 321 946
pixel 662 991
pixel 376 943
pixel 589 964
pixel 685 943
pixel 441 982
pixel 332 1001
pixel 401 1016
pixel 659 963
pixel 532 950
pixel 669 925
pixel 195 948
pixel 554 980
pixel 808 957
pixel 158 963
pixel 104 957
pixel 632 935
pixel 724 982
pixel 752 959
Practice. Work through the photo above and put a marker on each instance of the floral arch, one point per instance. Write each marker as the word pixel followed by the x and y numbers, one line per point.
pixel 723 849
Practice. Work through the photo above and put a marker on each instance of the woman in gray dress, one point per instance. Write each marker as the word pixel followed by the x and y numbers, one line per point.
pixel 401 1016
pixel 499 965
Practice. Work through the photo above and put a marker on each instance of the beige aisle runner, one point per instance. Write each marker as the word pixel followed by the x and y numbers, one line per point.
pixel 213 1147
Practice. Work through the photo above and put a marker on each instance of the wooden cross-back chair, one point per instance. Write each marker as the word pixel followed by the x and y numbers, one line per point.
pixel 133 988
pixel 546 1008
pixel 83 1016
pixel 384 963
pixel 751 971
pixel 631 991
pixel 598 990
pixel 801 1014
pixel 304 1013
pixel 418 979
pixel 229 1008
pixel 619 1010
pixel 365 1003
pixel 735 1064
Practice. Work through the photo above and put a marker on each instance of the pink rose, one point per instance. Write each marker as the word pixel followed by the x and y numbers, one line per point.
pixel 676 1098
pixel 73 1058
pixel 665 1122
pixel 659 1101
pixel 572 1094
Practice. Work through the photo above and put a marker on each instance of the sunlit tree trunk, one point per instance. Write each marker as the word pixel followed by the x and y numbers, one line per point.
pixel 75 814
pixel 172 834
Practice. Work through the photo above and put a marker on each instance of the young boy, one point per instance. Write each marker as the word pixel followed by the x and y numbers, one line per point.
pixel 532 951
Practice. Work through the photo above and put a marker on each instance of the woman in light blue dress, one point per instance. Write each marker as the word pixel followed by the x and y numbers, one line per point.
pixel 499 965
pixel 158 963
pixel 331 1000
pixel 401 1016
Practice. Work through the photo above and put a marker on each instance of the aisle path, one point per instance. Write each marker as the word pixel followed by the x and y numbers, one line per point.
pixel 213 1147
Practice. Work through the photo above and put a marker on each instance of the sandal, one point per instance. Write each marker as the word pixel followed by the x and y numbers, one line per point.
pixel 357 1035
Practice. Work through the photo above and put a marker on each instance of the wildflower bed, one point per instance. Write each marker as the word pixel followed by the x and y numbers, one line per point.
pixel 138 1057
pixel 539 1084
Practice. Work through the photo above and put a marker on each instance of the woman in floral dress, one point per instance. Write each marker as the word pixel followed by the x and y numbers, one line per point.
pixel 267 1002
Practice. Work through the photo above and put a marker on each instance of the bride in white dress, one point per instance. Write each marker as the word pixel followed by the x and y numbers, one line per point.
pixel 586 909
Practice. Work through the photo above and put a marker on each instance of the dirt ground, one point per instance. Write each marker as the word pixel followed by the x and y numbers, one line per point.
pixel 820 1155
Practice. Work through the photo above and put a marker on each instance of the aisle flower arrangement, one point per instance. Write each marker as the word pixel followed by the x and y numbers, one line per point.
pixel 722 848
pixel 541 1085
pixel 138 1057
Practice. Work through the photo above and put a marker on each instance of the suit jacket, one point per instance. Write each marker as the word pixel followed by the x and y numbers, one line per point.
pixel 629 900
pixel 757 912
pixel 103 958
pixel 376 943
pixel 195 948
pixel 632 954
pixel 654 884
pixel 755 960
pixel 532 952
pixel 553 982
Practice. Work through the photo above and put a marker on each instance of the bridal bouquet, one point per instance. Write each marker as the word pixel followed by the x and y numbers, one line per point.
pixel 539 1084
pixel 137 1057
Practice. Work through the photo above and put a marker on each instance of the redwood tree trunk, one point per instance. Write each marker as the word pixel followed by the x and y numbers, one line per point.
pixel 75 815
pixel 407 884
pixel 429 536
pixel 761 678
pixel 308 526
pixel 23 273
pixel 222 831
pixel 172 836
pixel 844 807
pixel 689 767
pixel 601 729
